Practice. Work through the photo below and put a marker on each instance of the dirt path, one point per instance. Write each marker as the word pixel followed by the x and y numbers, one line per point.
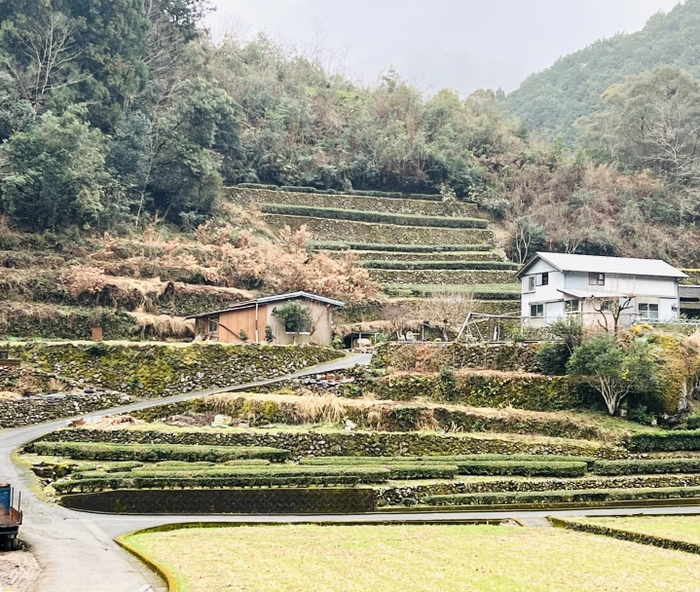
pixel 19 572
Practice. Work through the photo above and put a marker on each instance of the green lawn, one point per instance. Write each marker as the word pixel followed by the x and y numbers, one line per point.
pixel 677 528
pixel 413 558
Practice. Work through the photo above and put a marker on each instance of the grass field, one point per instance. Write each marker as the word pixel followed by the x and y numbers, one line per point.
pixel 677 528
pixel 413 558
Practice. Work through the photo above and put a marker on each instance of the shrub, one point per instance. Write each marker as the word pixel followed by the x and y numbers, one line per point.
pixel 523 469
pixel 432 265
pixel 154 452
pixel 665 441
pixel 409 471
pixel 647 467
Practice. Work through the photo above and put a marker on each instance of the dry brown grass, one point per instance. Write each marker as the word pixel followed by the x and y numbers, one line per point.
pixel 164 326
pixel 28 385
pixel 55 385
pixel 116 422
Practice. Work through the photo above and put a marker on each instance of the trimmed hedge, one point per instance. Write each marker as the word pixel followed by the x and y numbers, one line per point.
pixel 113 467
pixel 647 467
pixel 343 246
pixel 392 460
pixel 375 217
pixel 562 496
pixel 408 471
pixel 155 452
pixel 434 265
pixel 480 291
pixel 523 469
pixel 665 441
pixel 288 476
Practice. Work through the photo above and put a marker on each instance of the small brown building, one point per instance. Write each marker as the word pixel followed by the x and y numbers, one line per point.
pixel 251 319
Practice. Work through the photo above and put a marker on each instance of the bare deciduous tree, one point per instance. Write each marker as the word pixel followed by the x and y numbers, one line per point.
pixel 447 310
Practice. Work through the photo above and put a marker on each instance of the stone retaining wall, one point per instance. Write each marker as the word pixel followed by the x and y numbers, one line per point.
pixel 394 205
pixel 16 413
pixel 442 276
pixel 327 229
pixel 433 357
pixel 305 444
pixel 145 369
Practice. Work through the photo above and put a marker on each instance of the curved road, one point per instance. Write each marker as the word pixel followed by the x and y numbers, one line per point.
pixel 76 550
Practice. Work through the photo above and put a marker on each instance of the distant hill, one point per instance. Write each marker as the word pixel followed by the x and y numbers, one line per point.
pixel 552 100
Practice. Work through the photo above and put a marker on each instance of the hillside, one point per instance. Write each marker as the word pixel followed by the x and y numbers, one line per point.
pixel 552 100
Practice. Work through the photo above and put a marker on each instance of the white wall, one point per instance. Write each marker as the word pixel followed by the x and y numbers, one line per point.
pixel 661 291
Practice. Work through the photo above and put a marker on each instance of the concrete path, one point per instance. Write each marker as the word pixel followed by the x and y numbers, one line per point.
pixel 74 550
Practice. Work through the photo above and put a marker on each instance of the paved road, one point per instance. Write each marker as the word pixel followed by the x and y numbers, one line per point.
pixel 75 552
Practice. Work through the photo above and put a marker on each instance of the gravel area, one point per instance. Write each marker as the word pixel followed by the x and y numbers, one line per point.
pixel 19 572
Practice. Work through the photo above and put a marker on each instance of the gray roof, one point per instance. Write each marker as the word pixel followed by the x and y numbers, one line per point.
pixel 689 292
pixel 268 300
pixel 612 265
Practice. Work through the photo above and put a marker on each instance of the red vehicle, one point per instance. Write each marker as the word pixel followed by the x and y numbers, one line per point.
pixel 10 518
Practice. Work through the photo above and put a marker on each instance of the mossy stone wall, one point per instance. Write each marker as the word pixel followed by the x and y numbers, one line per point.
pixel 394 205
pixel 525 391
pixel 16 413
pixel 412 493
pixel 325 229
pixel 156 370
pixel 306 444
pixel 441 276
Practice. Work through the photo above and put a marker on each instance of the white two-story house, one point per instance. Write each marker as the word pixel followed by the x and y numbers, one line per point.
pixel 604 291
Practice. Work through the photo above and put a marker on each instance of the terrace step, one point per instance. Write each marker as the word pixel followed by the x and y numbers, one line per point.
pixel 375 217
pixel 441 265
pixel 394 248
pixel 393 205
pixel 500 292
pixel 434 256
pixel 443 276
pixel 325 229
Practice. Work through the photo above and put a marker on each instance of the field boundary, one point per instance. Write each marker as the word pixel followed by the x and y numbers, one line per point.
pixel 157 568
pixel 626 535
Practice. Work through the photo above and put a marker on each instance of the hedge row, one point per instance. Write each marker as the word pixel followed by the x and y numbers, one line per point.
pixel 461 458
pixel 523 469
pixel 295 189
pixel 206 481
pixel 561 496
pixel 665 441
pixel 375 217
pixel 113 467
pixel 433 265
pixel 155 452
pixel 343 246
pixel 647 467
pixel 480 291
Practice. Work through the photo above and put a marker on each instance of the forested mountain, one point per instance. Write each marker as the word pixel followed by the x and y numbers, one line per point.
pixel 116 113
pixel 554 99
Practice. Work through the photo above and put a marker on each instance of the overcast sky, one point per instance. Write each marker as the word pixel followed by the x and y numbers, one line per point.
pixel 462 44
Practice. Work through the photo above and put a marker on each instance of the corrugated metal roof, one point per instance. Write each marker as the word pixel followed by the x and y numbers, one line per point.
pixel 269 299
pixel 689 292
pixel 612 265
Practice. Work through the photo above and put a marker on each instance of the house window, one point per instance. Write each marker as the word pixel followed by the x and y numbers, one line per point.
pixel 606 306
pixel 596 279
pixel 537 310
pixel 213 324
pixel 531 283
pixel 648 311
pixel 543 279
pixel 572 306
pixel 291 325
